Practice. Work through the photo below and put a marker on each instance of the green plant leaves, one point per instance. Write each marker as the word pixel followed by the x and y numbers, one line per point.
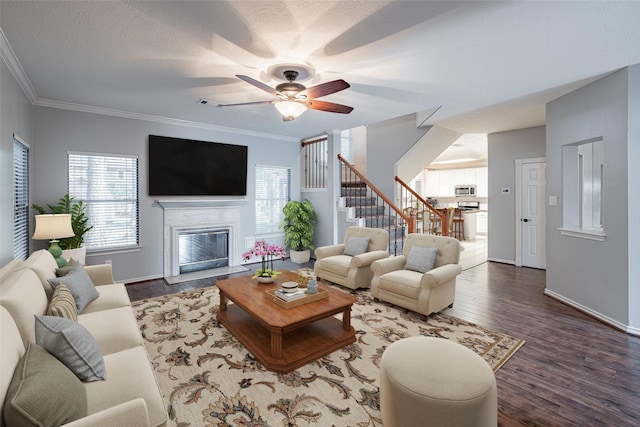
pixel 299 225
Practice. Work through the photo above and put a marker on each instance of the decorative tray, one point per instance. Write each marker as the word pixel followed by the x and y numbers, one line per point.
pixel 322 293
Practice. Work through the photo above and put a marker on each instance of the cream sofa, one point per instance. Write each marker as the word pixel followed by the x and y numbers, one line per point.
pixel 353 271
pixel 425 292
pixel 129 395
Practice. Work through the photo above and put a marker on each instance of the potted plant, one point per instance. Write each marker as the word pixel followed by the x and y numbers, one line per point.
pixel 262 249
pixel 299 225
pixel 71 246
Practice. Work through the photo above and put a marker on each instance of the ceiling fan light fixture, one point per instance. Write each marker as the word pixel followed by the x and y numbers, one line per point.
pixel 290 109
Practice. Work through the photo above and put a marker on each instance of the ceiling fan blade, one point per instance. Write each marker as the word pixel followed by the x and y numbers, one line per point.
pixel 245 103
pixel 329 106
pixel 258 84
pixel 327 88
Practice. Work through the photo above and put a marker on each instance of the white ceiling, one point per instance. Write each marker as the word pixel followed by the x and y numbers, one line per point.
pixel 491 65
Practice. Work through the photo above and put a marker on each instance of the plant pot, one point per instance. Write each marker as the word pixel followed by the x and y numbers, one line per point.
pixel 300 257
pixel 265 279
pixel 79 254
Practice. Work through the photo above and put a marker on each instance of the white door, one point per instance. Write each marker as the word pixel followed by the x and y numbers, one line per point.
pixel 532 215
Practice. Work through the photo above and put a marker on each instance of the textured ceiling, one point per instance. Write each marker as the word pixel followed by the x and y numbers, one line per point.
pixel 490 65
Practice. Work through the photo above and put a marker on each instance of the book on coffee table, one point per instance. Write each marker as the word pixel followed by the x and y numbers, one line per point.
pixel 290 296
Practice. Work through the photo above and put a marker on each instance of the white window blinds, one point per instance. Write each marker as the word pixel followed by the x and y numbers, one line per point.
pixel 20 200
pixel 273 191
pixel 108 186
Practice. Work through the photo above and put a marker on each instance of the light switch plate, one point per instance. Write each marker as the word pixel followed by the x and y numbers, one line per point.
pixel 553 200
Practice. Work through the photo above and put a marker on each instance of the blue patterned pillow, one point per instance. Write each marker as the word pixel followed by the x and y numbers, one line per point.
pixel 421 259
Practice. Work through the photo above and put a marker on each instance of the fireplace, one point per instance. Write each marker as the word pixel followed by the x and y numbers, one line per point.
pixel 203 249
pixel 199 222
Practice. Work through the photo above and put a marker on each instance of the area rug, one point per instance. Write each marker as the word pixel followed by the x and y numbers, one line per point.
pixel 209 379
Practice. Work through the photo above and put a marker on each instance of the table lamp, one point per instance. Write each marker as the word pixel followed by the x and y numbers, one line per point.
pixel 53 227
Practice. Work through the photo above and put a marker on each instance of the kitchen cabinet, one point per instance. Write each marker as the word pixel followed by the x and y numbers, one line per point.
pixel 441 183
pixel 482 225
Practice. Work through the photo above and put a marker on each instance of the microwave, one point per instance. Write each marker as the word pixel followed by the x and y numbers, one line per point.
pixel 465 190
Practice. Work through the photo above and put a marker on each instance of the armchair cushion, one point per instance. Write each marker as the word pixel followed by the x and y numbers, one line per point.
pixel 421 259
pixel 73 345
pixel 43 392
pixel 80 284
pixel 356 245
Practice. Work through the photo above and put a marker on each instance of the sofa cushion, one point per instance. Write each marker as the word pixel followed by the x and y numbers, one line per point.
pixel 356 245
pixel 43 392
pixel 73 345
pixel 80 284
pixel 421 259
pixel 63 271
pixel 114 330
pixel 63 304
pixel 111 296
pixel 44 265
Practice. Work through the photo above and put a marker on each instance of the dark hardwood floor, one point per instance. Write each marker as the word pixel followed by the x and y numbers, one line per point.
pixel 572 371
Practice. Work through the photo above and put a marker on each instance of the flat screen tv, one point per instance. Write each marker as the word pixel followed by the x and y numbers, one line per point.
pixel 185 167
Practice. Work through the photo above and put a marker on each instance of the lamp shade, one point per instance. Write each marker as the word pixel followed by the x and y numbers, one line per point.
pixel 290 109
pixel 53 226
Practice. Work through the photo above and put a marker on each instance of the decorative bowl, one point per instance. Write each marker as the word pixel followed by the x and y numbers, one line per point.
pixel 289 286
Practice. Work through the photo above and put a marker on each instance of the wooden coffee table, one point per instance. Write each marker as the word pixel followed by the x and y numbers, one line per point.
pixel 284 339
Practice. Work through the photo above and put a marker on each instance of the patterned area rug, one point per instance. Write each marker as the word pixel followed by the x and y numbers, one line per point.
pixel 208 377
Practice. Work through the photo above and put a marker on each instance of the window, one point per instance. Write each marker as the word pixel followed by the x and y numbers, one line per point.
pixel 20 199
pixel 108 186
pixel 273 191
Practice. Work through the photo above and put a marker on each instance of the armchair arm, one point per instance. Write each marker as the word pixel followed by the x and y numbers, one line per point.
pixel 386 265
pixel 100 274
pixel 331 250
pixel 132 413
pixel 441 274
pixel 368 257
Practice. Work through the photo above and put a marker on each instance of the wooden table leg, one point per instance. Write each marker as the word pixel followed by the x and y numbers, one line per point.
pixel 346 319
pixel 223 301
pixel 276 343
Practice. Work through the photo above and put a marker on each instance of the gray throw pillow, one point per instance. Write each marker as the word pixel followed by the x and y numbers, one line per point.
pixel 43 392
pixel 73 345
pixel 63 271
pixel 80 285
pixel 356 245
pixel 421 259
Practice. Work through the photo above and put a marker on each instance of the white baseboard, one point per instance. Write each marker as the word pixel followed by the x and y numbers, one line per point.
pixel 502 261
pixel 598 316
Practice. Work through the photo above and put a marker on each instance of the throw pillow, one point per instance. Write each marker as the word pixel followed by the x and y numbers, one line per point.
pixel 43 392
pixel 62 303
pixel 80 285
pixel 356 245
pixel 63 271
pixel 73 345
pixel 421 259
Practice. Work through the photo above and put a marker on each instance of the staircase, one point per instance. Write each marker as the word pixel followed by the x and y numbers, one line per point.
pixel 372 211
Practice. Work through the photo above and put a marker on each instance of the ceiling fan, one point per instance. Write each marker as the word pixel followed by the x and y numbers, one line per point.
pixel 294 98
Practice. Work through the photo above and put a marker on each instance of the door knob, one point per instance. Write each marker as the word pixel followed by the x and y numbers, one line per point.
pixel 525 220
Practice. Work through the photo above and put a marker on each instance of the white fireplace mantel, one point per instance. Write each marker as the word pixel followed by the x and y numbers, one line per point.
pixel 185 215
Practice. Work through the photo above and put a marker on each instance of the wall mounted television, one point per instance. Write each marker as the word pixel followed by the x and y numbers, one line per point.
pixel 186 167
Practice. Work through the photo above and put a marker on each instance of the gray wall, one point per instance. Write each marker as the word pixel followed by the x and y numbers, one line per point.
pixel 58 131
pixel 634 197
pixel 387 142
pixel 16 116
pixel 592 274
pixel 503 150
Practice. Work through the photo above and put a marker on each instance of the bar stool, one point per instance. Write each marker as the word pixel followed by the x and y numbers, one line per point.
pixel 457 224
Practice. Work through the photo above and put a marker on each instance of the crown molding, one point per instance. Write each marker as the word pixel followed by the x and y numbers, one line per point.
pixel 40 102
pixel 9 57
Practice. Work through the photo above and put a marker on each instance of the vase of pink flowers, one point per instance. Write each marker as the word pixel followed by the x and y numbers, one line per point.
pixel 267 252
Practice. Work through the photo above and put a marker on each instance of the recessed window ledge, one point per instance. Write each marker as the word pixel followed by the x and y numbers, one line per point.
pixel 583 233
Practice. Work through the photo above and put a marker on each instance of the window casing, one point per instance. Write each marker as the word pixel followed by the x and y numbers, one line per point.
pixel 20 199
pixel 108 186
pixel 273 191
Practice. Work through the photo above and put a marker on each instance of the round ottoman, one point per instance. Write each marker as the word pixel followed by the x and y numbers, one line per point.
pixel 436 382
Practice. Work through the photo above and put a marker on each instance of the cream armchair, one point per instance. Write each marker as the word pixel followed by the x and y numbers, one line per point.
pixel 348 264
pixel 408 280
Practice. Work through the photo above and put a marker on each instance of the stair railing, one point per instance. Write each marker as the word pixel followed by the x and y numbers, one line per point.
pixel 418 208
pixel 392 218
